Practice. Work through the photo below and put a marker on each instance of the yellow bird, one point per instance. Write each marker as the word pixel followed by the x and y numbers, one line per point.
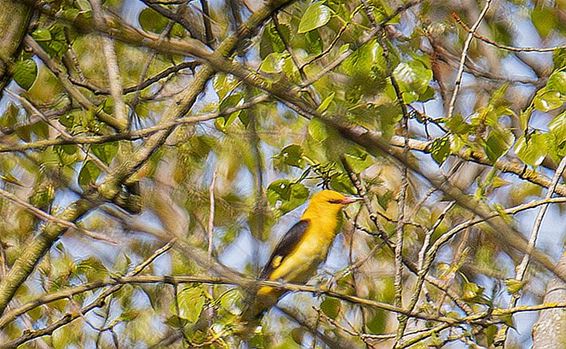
pixel 299 253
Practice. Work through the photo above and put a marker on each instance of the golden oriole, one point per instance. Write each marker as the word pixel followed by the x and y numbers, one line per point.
pixel 297 256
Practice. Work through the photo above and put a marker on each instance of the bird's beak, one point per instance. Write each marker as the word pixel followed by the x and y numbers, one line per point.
pixel 350 199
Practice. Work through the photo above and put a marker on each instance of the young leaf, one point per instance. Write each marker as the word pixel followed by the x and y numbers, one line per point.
pixel 230 102
pixel 88 174
pixel 286 195
pixel 25 73
pixel 273 63
pixel 497 143
pixel 191 302
pixel 291 155
pixel 330 307
pixel 151 20
pixel 533 149
pixel 315 16
pixel 547 100
pixel 325 103
pixel 317 130
pixel 440 149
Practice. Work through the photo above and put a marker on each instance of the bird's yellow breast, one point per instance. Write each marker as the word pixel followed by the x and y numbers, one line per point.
pixel 303 261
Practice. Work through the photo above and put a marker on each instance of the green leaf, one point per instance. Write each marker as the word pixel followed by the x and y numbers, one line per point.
pixel 42 196
pixel 41 34
pixel 376 322
pixel 547 100
pixel 230 102
pixel 413 78
pixel 83 5
pixel 176 322
pixel 524 118
pixel 68 153
pixel 458 125
pixel 388 117
pixel 358 159
pixel 514 285
pixel 291 155
pixel 557 126
pixel 53 40
pixel 384 199
pixel 557 82
pixel 314 42
pixel 25 73
pixel 316 15
pixel 330 307
pixel 224 84
pixel 129 315
pixel 151 20
pixel 9 178
pixel 440 149
pixel 271 41
pixel 366 69
pixel 273 63
pixel 10 116
pixel 342 183
pixel 92 268
pixel 317 130
pixel 191 302
pixel 507 319
pixel 325 103
pixel 544 20
pixel 533 149
pixel 498 142
pixel 559 58
pixel 280 190
pixel 105 151
pixel 88 174
pixel 471 291
pixel 286 195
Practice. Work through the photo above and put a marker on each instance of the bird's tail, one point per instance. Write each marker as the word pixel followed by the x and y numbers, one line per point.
pixel 255 305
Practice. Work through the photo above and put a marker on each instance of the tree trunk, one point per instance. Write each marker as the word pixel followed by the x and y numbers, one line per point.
pixel 550 328
pixel 14 21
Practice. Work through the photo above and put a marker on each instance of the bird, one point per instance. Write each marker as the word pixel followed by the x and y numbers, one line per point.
pixel 298 254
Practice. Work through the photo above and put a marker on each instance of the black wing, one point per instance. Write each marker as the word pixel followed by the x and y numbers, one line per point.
pixel 285 247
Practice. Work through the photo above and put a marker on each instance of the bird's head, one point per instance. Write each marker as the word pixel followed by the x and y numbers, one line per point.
pixel 330 201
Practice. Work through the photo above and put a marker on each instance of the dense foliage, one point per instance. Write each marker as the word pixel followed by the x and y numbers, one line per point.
pixel 153 152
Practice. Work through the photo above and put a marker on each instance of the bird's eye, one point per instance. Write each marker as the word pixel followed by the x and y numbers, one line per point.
pixel 335 201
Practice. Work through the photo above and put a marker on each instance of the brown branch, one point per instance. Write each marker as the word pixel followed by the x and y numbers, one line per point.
pixel 501 46
pixel 130 135
pixel 144 84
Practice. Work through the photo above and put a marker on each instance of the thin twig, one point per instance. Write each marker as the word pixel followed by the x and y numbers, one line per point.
pixel 422 267
pixel 114 79
pixel 463 58
pixel 505 47
pixel 50 218
pixel 210 231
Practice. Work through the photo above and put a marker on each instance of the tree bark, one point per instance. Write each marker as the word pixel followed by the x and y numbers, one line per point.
pixel 14 21
pixel 550 329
